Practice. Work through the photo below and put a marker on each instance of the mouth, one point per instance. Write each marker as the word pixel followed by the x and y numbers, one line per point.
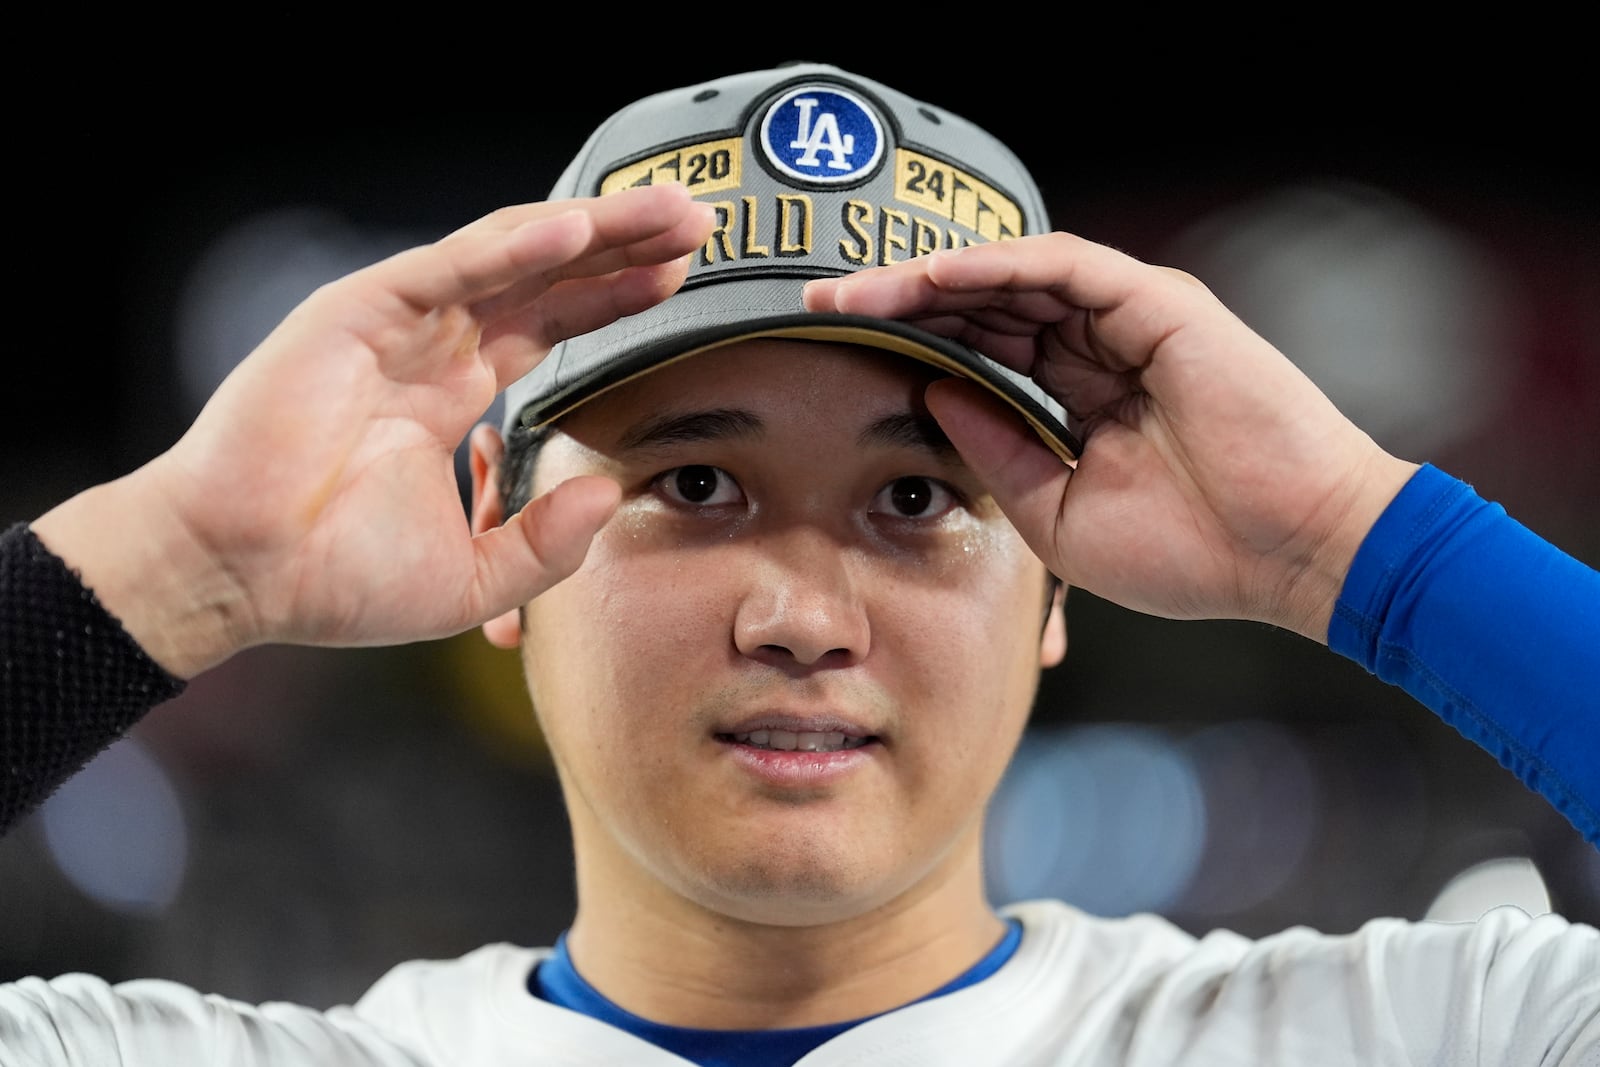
pixel 799 755
pixel 798 740
pixel 774 731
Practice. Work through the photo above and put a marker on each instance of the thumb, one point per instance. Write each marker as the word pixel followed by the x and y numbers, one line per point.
pixel 1024 476
pixel 543 543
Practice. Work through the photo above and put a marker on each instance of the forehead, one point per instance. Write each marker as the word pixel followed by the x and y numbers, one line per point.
pixel 821 387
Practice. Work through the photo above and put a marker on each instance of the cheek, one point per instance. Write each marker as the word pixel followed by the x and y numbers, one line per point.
pixel 966 646
pixel 646 627
pixel 621 633
pixel 981 604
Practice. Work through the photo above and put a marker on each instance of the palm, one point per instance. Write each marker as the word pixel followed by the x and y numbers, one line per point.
pixel 1175 507
pixel 320 477
pixel 351 447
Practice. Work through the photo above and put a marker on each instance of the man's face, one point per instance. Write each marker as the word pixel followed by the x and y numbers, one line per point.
pixel 794 664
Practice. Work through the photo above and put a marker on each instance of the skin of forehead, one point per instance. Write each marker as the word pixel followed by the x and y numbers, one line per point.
pixel 612 402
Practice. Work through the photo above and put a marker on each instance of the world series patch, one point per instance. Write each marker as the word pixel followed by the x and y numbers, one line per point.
pixel 823 190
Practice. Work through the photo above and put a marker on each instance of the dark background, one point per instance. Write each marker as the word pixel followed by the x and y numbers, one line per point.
pixel 342 811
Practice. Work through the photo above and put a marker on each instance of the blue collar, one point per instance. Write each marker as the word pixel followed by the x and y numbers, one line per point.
pixel 558 981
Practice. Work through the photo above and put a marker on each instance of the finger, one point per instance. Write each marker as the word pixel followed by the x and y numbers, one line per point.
pixel 1101 314
pixel 609 212
pixel 653 224
pixel 510 246
pixel 1003 337
pixel 650 231
pixel 542 544
pixel 908 294
pixel 1026 479
pixel 515 343
pixel 1076 271
pixel 1010 300
pixel 1050 279
pixel 457 271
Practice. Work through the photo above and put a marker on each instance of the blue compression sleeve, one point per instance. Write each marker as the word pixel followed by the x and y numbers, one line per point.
pixel 1490 626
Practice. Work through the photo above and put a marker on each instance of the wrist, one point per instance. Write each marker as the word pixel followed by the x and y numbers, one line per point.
pixel 1319 581
pixel 148 571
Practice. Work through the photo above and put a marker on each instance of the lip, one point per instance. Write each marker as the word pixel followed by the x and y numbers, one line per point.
pixel 798 769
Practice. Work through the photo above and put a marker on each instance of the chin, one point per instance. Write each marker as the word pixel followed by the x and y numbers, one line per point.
pixel 798 888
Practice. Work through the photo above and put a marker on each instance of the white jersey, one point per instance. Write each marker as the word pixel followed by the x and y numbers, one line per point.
pixel 1135 992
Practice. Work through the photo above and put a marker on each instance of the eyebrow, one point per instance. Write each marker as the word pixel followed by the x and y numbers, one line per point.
pixel 906 430
pixel 900 430
pixel 716 424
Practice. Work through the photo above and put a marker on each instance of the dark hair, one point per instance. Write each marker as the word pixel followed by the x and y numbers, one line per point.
pixel 516 469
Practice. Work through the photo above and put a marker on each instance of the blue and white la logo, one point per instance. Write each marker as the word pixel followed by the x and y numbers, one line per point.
pixel 822 133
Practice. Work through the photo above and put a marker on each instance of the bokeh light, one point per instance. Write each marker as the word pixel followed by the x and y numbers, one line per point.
pixel 117 831
pixel 1401 320
pixel 1108 816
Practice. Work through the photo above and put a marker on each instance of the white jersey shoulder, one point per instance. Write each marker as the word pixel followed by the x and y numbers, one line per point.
pixel 81 1020
pixel 1080 990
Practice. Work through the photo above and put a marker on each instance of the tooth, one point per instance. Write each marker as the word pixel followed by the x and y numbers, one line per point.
pixel 799 740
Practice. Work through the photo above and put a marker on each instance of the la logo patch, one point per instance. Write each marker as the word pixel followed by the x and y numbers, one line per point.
pixel 822 134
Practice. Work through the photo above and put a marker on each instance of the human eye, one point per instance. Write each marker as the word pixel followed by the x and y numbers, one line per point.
pixel 699 485
pixel 914 497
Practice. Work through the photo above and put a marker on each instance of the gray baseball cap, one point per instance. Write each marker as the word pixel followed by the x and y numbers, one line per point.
pixel 815 172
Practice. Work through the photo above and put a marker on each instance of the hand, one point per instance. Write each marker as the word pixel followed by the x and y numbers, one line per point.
pixel 314 500
pixel 1216 480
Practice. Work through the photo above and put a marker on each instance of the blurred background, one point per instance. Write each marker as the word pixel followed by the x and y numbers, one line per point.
pixel 1423 240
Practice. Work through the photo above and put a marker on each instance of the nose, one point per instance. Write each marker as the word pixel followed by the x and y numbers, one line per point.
pixel 803 607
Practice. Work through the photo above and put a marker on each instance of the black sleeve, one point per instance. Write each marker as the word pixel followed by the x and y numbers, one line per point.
pixel 71 679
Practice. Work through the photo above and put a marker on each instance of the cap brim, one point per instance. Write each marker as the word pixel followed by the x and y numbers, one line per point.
pixel 590 365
